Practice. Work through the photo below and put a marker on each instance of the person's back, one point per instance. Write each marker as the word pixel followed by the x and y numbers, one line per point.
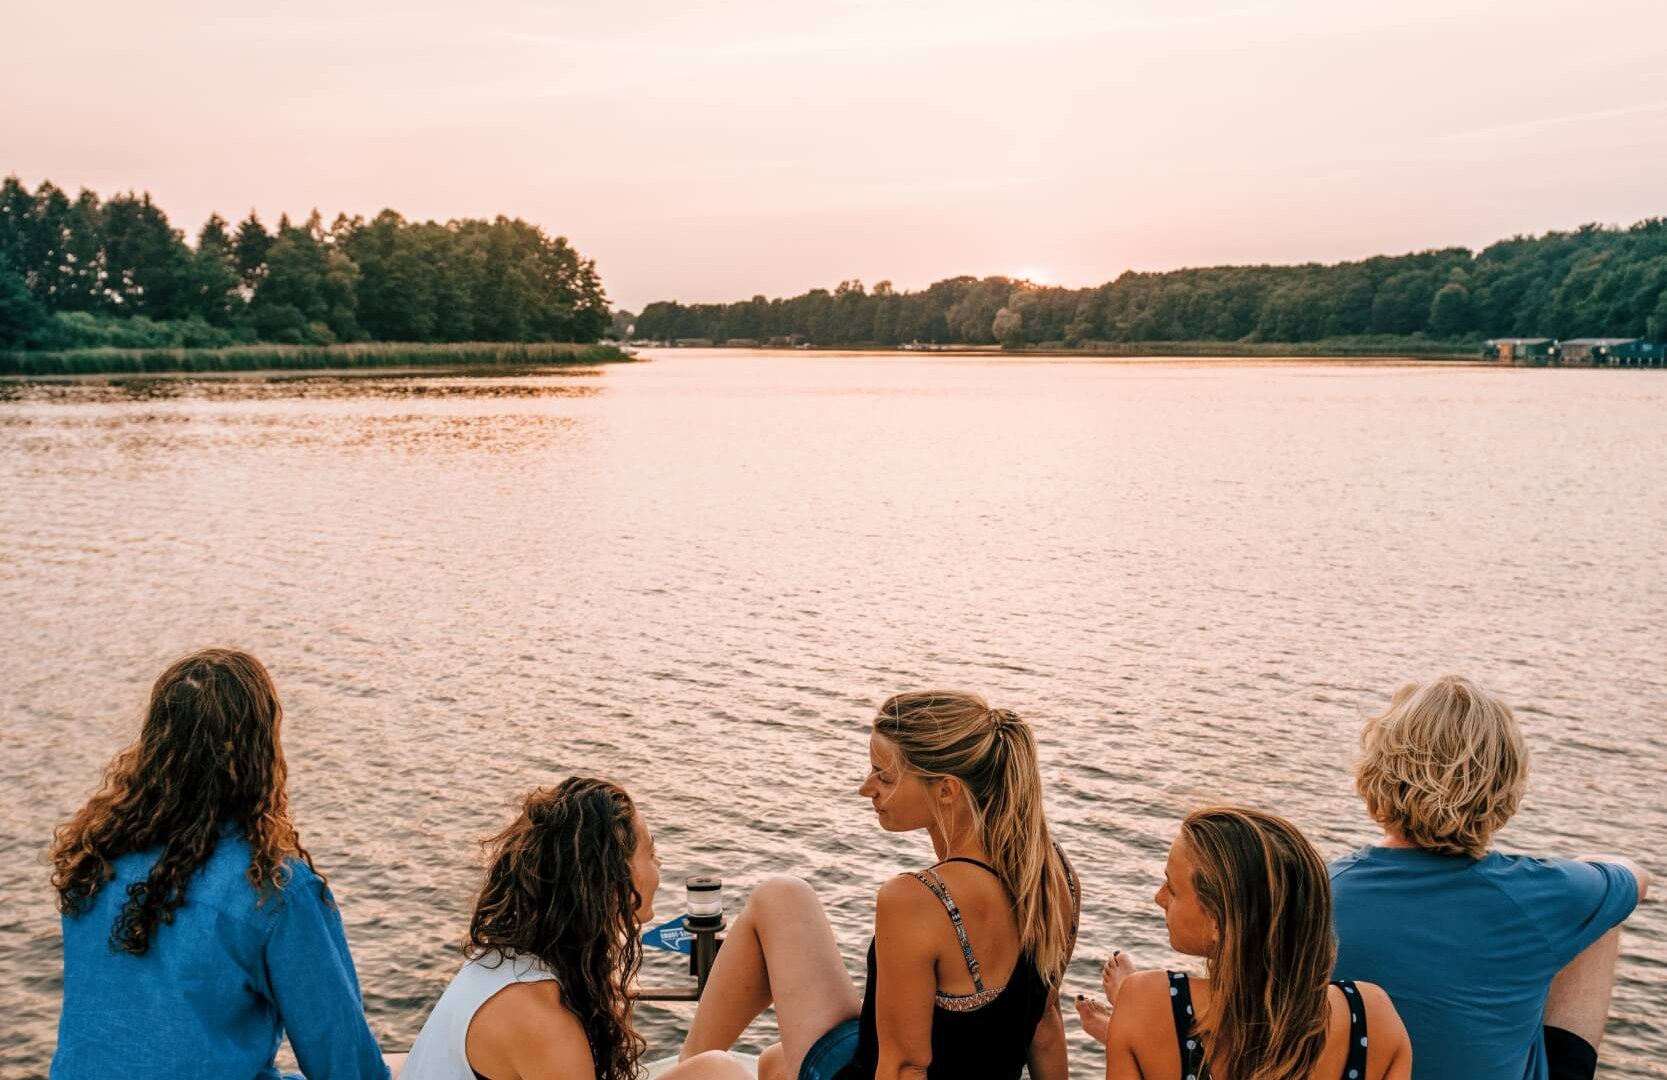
pixel 1500 965
pixel 1468 948
pixel 1248 893
pixel 1164 1006
pixel 990 996
pixel 967 955
pixel 552 948
pixel 219 984
pixel 441 1051
pixel 196 931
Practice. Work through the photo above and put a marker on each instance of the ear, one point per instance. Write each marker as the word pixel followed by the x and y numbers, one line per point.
pixel 949 789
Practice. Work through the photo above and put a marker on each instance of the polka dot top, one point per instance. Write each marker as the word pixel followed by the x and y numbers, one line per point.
pixel 1192 1047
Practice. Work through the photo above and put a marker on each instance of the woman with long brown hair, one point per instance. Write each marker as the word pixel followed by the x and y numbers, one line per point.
pixel 1246 891
pixel 196 931
pixel 552 948
pixel 967 956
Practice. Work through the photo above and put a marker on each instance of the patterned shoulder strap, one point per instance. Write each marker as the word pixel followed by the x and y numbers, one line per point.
pixel 1186 1033
pixel 931 880
pixel 1354 1067
pixel 1076 893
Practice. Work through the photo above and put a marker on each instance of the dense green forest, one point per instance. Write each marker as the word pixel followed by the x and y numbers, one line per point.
pixel 89 273
pixel 1590 282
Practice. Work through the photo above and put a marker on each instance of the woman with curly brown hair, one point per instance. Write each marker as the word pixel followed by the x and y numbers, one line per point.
pixel 552 946
pixel 196 931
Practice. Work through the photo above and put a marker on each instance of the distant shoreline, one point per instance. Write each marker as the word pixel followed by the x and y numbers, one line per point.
pixel 255 359
pixel 1156 350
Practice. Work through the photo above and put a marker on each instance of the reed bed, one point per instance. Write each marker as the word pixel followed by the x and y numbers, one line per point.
pixel 300 357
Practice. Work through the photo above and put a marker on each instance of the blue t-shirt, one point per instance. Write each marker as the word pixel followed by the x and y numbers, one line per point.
pixel 218 986
pixel 1467 948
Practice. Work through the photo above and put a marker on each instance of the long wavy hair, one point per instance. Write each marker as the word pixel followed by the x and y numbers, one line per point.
pixel 208 756
pixel 558 889
pixel 993 753
pixel 1267 891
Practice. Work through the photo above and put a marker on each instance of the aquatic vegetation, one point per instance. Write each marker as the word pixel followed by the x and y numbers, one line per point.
pixel 314 357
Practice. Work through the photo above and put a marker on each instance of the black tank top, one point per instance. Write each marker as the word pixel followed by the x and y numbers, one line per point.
pixel 1192 1047
pixel 984 1035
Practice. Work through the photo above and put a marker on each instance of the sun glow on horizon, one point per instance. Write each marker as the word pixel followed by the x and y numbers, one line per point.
pixel 1035 275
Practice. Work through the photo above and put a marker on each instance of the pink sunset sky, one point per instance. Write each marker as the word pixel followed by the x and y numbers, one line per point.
pixel 710 151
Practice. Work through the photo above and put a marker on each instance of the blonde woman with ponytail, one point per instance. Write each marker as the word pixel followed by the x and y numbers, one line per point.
pixel 1246 891
pixel 967 957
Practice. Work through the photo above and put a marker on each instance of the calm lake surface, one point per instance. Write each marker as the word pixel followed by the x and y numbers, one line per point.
pixel 700 575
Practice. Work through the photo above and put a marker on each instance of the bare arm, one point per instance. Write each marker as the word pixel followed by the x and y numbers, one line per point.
pixel 906 978
pixel 1141 1035
pixel 526 1031
pixel 1048 1058
pixel 1390 1057
pixel 1639 874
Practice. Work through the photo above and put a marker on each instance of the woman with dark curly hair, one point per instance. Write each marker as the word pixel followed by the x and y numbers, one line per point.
pixel 196 931
pixel 553 944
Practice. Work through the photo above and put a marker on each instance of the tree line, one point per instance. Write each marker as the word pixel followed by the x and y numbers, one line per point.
pixel 1591 282
pixel 86 272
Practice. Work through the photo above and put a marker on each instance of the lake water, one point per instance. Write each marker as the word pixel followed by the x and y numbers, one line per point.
pixel 700 575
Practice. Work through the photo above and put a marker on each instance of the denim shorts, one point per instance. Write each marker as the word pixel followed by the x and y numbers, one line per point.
pixel 836 1049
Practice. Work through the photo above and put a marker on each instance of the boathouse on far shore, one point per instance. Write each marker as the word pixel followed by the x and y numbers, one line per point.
pixel 1612 352
pixel 1520 350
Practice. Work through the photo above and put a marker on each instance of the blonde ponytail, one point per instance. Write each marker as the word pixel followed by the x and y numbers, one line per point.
pixel 993 753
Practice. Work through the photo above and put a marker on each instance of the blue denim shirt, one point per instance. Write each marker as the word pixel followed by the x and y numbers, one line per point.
pixel 219 985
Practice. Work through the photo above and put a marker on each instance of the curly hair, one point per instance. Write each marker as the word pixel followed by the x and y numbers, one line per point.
pixel 207 757
pixel 1445 765
pixel 559 889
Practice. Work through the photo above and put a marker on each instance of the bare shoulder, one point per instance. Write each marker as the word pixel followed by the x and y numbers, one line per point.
pixel 1390 1050
pixel 905 897
pixel 1145 995
pixel 528 1028
pixel 538 1004
pixel 1141 1039
pixel 1380 1010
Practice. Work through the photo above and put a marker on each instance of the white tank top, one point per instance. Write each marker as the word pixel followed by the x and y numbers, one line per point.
pixel 439 1053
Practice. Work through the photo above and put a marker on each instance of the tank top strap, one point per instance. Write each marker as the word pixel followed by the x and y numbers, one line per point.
pixel 1071 883
pixel 1186 1031
pixel 932 881
pixel 984 866
pixel 1354 1066
pixel 441 1050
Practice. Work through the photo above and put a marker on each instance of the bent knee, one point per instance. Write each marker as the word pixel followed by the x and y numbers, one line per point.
pixel 714 1065
pixel 772 1063
pixel 783 890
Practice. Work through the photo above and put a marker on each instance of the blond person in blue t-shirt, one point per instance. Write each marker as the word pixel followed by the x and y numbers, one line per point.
pixel 1501 966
